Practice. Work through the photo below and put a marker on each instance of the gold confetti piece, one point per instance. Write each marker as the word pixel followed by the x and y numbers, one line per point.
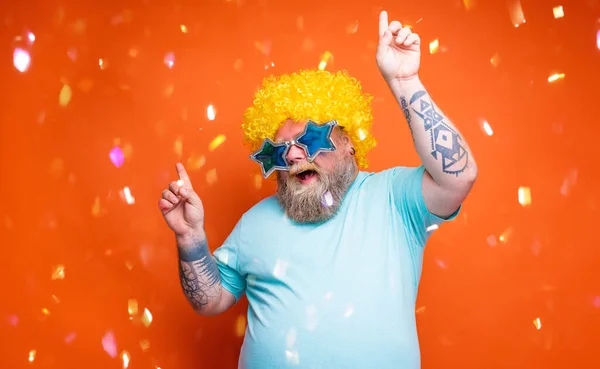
pixel 487 128
pixel 132 307
pixel 147 318
pixel 258 181
pixel 517 17
pixel 196 162
pixel 55 299
pixel 58 273
pixel 168 90
pixel 325 58
pixel 505 236
pixel 126 357
pixel 264 47
pixel 97 209
pixel 524 196
pixel 238 65
pixel 127 196
pixel 555 77
pixel 352 28
pixel 495 60
pixel 216 142
pixel 65 96
pixel 102 64
pixel 537 323
pixel 420 310
pixel 434 46
pixel 210 112
pixel 183 28
pixel 145 345
pixel 558 12
pixel 31 357
pixel 211 176
pixel 469 4
pixel 178 146
pixel 45 311
pixel 362 134
pixel 240 326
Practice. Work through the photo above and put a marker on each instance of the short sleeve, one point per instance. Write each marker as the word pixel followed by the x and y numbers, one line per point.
pixel 407 188
pixel 227 261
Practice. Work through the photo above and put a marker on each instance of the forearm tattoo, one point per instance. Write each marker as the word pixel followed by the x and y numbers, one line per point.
pixel 446 143
pixel 199 274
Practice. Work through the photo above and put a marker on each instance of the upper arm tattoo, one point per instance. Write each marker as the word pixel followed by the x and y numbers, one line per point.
pixel 199 274
pixel 446 143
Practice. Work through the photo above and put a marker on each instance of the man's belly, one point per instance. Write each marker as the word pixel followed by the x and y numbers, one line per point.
pixel 313 338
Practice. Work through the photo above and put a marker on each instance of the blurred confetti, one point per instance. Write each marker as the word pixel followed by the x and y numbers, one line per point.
pixel 325 58
pixel 558 12
pixel 434 46
pixel 58 273
pixel 116 156
pixel 64 96
pixel 524 196
pixel 21 60
pixel 216 142
pixel 109 344
pixel 517 17
pixel 555 77
pixel 537 323
pixel 210 112
pixel 147 317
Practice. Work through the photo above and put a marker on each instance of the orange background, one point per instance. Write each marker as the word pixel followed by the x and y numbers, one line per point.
pixel 75 252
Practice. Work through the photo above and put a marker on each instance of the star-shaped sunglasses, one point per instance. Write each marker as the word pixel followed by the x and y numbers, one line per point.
pixel 315 138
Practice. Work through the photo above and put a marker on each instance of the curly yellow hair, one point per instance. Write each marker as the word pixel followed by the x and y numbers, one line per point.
pixel 318 95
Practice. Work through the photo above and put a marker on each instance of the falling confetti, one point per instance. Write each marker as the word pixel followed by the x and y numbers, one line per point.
pixel 58 273
pixel 31 357
pixel 178 146
pixel 240 326
pixel 352 28
pixel 145 345
pixel 126 357
pixel 555 77
pixel 116 156
pixel 216 142
pixel 487 128
pixel 21 60
pixel 598 39
pixel 569 182
pixel 109 345
pixel 524 196
pixel 469 4
pixel 211 176
pixel 65 96
pixel 558 12
pixel 169 60
pixel 537 323
pixel 146 317
pixel 434 46
pixel 495 60
pixel 517 17
pixel 183 28
pixel 97 209
pixel 210 112
pixel 325 58
pixel 102 64
pixel 132 307
pixel 505 236
pixel 127 196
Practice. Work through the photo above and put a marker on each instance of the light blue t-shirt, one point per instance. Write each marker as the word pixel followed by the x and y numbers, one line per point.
pixel 336 295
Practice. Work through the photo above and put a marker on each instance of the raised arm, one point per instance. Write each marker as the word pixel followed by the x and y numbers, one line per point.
pixel 198 272
pixel 450 166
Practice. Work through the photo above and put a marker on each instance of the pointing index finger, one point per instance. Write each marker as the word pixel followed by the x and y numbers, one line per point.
pixel 183 176
pixel 383 23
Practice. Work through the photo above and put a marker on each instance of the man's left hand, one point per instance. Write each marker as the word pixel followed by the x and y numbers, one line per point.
pixel 398 52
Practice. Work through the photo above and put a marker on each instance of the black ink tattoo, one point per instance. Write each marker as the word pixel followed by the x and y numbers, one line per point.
pixel 445 141
pixel 199 274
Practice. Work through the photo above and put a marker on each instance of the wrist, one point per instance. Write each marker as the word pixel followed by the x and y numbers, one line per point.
pixel 404 84
pixel 190 238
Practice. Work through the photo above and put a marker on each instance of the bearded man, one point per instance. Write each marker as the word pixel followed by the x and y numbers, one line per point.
pixel 331 263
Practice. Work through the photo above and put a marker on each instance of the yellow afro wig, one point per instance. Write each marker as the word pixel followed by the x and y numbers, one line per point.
pixel 318 95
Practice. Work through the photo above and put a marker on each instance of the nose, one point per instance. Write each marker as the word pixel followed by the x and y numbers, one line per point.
pixel 295 154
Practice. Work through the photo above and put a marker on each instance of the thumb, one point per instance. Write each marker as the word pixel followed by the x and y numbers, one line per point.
pixel 190 196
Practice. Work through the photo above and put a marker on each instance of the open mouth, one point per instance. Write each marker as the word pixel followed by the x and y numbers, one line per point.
pixel 306 175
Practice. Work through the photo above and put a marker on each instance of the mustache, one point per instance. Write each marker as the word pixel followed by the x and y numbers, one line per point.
pixel 303 166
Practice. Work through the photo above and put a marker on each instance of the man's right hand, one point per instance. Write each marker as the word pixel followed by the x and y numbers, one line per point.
pixel 181 206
